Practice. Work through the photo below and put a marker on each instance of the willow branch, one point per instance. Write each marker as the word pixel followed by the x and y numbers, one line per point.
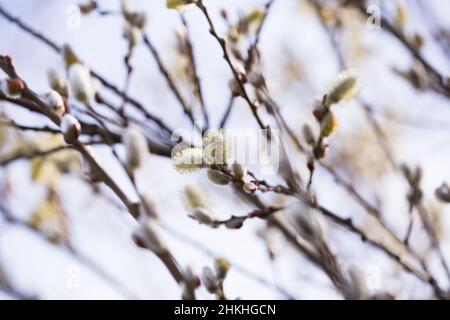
pixel 198 91
pixel 187 109
pixel 41 37
pixel 226 56
pixel 439 82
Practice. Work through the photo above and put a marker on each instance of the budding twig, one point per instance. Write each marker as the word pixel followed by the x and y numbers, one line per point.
pixel 227 58
pixel 195 75
pixel 187 109
pixel 41 37
pixel 249 59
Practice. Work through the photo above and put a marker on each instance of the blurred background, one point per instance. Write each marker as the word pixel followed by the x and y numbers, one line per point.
pixel 300 63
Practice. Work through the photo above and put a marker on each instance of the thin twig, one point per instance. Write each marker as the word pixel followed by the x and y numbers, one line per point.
pixel 249 59
pixel 195 75
pixel 439 82
pixel 226 56
pixel 187 109
pixel 227 112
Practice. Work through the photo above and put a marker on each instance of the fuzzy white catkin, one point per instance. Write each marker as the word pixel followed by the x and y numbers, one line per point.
pixel 136 147
pixel 345 88
pixel 70 127
pixel 240 171
pixel 188 160
pixel 81 84
pixel 217 177
pixel 54 100
pixel 149 205
pixel 209 280
pixel 203 216
pixel 357 288
pixel 195 197
pixel 149 232
pixel 56 82
pixel 216 146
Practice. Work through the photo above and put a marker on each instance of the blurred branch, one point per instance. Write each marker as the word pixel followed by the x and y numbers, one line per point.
pixel 195 76
pixel 133 208
pixel 91 129
pixel 227 112
pixel 246 75
pixel 187 109
pixel 13 124
pixel 34 154
pixel 348 224
pixel 71 251
pixel 199 246
pixel 383 141
pixel 319 254
pixel 439 82
pixel 41 37
pixel 249 59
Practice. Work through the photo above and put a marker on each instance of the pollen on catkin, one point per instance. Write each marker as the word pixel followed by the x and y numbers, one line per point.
pixel 69 56
pixel 216 147
pixel 188 160
pixel 329 124
pixel 345 88
pixel 179 5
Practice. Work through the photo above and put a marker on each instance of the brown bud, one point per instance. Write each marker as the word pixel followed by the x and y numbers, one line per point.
pixel 318 113
pixel 235 222
pixel 443 193
pixel 224 14
pixel 12 88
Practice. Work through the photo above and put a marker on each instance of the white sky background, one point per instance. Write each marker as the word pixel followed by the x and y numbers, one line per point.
pixel 103 233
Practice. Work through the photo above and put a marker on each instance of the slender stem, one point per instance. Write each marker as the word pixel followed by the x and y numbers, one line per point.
pixel 226 56
pixel 195 76
pixel 227 112
pixel 187 109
